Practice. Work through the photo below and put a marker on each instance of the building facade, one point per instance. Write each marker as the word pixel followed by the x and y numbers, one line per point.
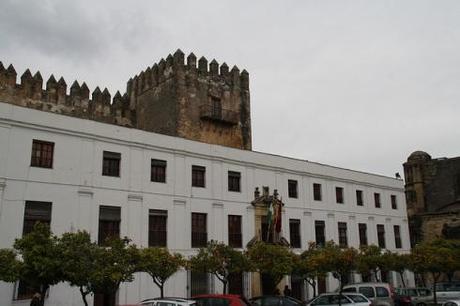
pixel 98 167
pixel 433 196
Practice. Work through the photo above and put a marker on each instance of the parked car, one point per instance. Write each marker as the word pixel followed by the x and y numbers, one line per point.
pixel 275 300
pixel 446 291
pixel 220 300
pixel 380 294
pixel 349 298
pixel 452 303
pixel 413 296
pixel 168 301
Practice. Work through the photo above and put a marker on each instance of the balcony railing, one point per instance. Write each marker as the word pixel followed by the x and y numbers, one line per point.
pixel 209 112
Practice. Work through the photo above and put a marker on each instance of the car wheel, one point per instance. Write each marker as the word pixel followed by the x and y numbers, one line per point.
pixel 421 304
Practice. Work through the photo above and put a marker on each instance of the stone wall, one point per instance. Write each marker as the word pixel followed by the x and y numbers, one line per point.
pixel 172 97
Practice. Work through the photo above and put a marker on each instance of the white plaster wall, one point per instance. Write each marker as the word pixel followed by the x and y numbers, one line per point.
pixel 76 189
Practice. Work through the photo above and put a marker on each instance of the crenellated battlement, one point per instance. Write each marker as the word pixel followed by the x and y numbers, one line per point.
pixel 177 96
pixel 56 98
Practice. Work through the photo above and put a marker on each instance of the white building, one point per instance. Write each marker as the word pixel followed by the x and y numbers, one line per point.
pixel 68 187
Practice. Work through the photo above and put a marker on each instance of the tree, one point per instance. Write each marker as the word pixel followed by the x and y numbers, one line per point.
pixel 308 268
pixel 79 261
pixel 159 264
pixel 370 261
pixel 398 263
pixel 41 264
pixel 115 263
pixel 434 257
pixel 273 260
pixel 9 266
pixel 339 261
pixel 220 260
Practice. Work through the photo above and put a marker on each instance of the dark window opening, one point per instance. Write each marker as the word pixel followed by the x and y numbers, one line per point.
pixel 394 203
pixel 343 239
pixel 234 231
pixel 317 192
pixel 294 233
pixel 111 163
pixel 235 283
pixel 198 176
pixel 158 171
pixel 381 235
pixel 199 230
pixel 359 198
pixel 234 179
pixel 216 108
pixel 35 212
pixel 397 230
pixel 292 188
pixel 339 195
pixel 158 222
pixel 42 154
pixel 362 228
pixel 377 200
pixel 199 283
pixel 109 223
pixel 320 232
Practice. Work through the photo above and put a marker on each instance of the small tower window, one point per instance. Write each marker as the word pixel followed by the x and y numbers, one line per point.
pixel 216 108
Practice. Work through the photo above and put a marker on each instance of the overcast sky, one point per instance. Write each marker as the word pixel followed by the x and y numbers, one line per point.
pixel 354 84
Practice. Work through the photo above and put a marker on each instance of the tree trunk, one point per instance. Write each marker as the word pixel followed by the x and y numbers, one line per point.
pixel 312 283
pixel 83 296
pixel 162 290
pixel 340 290
pixel 401 273
pixel 435 280
pixel 225 286
pixel 43 289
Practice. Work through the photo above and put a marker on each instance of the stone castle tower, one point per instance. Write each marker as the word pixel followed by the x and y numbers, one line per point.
pixel 207 103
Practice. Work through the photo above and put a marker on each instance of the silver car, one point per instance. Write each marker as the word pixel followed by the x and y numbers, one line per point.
pixel 381 294
pixel 167 302
pixel 330 299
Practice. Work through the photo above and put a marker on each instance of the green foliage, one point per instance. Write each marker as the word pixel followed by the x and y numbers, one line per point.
pixel 160 264
pixel 115 262
pixel 370 260
pixel 339 261
pixel 271 259
pixel 9 266
pixel 79 261
pixel 41 264
pixel 219 259
pixel 307 266
pixel 397 262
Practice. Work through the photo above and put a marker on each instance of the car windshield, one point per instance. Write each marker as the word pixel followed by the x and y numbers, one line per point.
pixel 212 302
pixel 358 298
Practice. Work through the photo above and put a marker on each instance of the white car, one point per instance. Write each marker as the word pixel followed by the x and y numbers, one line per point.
pixel 167 302
pixel 347 298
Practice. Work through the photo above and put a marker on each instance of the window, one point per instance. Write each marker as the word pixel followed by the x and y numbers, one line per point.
pixel 294 233
pixel 339 195
pixel 234 179
pixel 292 188
pixel 381 235
pixel 343 239
pixel 111 163
pixel 382 292
pixel 158 171
pixel 199 283
pixel 377 200
pixel 394 203
pixel 234 231
pixel 359 198
pixel 317 192
pixel 36 212
pixel 362 228
pixel 109 223
pixel 199 230
pixel 42 154
pixel 216 108
pixel 198 176
pixel 158 222
pixel 320 232
pixel 397 231
pixel 367 292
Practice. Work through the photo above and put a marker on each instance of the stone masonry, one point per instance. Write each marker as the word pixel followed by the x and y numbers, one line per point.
pixel 207 103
